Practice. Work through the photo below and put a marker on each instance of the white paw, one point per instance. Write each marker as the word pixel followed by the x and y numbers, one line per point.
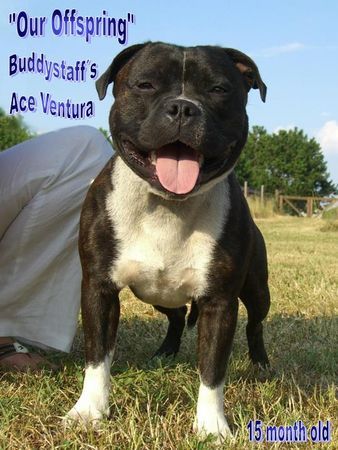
pixel 210 417
pixel 93 404
pixel 86 413
pixel 214 424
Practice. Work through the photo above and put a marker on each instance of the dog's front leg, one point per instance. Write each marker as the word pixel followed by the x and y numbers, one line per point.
pixel 216 327
pixel 100 316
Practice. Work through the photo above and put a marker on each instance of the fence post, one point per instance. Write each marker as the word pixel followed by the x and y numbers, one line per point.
pixel 245 189
pixel 309 206
pixel 262 194
pixel 276 198
pixel 281 203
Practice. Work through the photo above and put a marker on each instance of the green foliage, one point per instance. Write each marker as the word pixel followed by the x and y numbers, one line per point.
pixel 331 213
pixel 287 160
pixel 106 134
pixel 330 217
pixel 12 130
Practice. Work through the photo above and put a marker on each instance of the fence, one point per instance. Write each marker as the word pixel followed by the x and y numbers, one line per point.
pixel 301 205
pixel 294 201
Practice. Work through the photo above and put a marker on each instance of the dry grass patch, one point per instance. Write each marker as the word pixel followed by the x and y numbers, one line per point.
pixel 153 403
pixel 261 209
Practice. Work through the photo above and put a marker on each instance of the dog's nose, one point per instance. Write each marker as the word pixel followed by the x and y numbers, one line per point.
pixel 182 109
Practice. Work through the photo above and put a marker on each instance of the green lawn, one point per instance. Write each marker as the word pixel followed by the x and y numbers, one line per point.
pixel 153 403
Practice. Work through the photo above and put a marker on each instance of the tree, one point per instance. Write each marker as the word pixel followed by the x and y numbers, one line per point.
pixel 12 130
pixel 106 134
pixel 287 160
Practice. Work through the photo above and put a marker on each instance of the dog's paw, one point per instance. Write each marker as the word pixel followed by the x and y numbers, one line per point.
pixel 210 417
pixel 214 424
pixel 85 413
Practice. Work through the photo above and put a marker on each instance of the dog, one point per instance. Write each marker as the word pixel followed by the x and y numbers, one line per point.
pixel 167 217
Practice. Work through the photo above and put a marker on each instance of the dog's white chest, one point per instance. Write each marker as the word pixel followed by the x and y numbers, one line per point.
pixel 160 264
pixel 164 248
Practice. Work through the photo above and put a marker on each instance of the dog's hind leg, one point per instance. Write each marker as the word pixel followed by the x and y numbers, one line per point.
pixel 171 344
pixel 256 298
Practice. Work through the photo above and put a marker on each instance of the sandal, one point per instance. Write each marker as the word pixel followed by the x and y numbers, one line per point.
pixel 15 356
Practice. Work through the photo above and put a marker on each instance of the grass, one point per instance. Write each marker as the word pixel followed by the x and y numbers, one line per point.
pixel 330 214
pixel 330 217
pixel 153 403
pixel 261 210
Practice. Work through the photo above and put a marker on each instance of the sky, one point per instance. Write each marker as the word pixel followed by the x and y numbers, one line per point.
pixel 294 43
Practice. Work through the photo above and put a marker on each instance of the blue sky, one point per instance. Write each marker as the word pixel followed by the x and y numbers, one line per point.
pixel 294 43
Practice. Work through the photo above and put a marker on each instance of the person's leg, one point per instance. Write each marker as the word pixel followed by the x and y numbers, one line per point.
pixel 15 356
pixel 43 183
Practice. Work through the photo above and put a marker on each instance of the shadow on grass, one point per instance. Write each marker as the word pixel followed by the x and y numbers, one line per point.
pixel 298 347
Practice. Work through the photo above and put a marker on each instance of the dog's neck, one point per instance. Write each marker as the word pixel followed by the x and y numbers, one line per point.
pixel 164 247
pixel 138 195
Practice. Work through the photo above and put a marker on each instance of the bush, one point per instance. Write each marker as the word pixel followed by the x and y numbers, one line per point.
pixel 12 131
pixel 330 216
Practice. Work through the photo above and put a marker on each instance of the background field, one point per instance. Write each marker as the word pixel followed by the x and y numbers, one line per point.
pixel 153 403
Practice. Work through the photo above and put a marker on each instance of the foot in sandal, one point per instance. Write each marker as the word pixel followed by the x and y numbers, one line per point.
pixel 14 356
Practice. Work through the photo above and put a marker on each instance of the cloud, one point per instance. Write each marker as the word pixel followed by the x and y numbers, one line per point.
pixel 327 136
pixel 286 48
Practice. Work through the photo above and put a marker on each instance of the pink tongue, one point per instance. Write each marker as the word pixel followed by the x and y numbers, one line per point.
pixel 177 168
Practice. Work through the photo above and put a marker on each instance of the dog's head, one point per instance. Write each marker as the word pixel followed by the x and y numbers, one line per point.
pixel 179 118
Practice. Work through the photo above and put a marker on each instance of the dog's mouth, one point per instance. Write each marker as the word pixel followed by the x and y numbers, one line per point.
pixel 176 168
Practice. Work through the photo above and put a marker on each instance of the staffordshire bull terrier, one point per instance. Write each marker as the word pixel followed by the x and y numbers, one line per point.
pixel 167 217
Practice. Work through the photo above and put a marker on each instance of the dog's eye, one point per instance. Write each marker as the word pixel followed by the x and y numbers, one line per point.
pixel 145 86
pixel 219 90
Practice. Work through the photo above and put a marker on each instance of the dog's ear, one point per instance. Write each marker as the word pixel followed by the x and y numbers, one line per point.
pixel 118 62
pixel 249 70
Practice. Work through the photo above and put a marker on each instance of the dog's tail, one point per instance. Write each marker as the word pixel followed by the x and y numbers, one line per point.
pixel 193 315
